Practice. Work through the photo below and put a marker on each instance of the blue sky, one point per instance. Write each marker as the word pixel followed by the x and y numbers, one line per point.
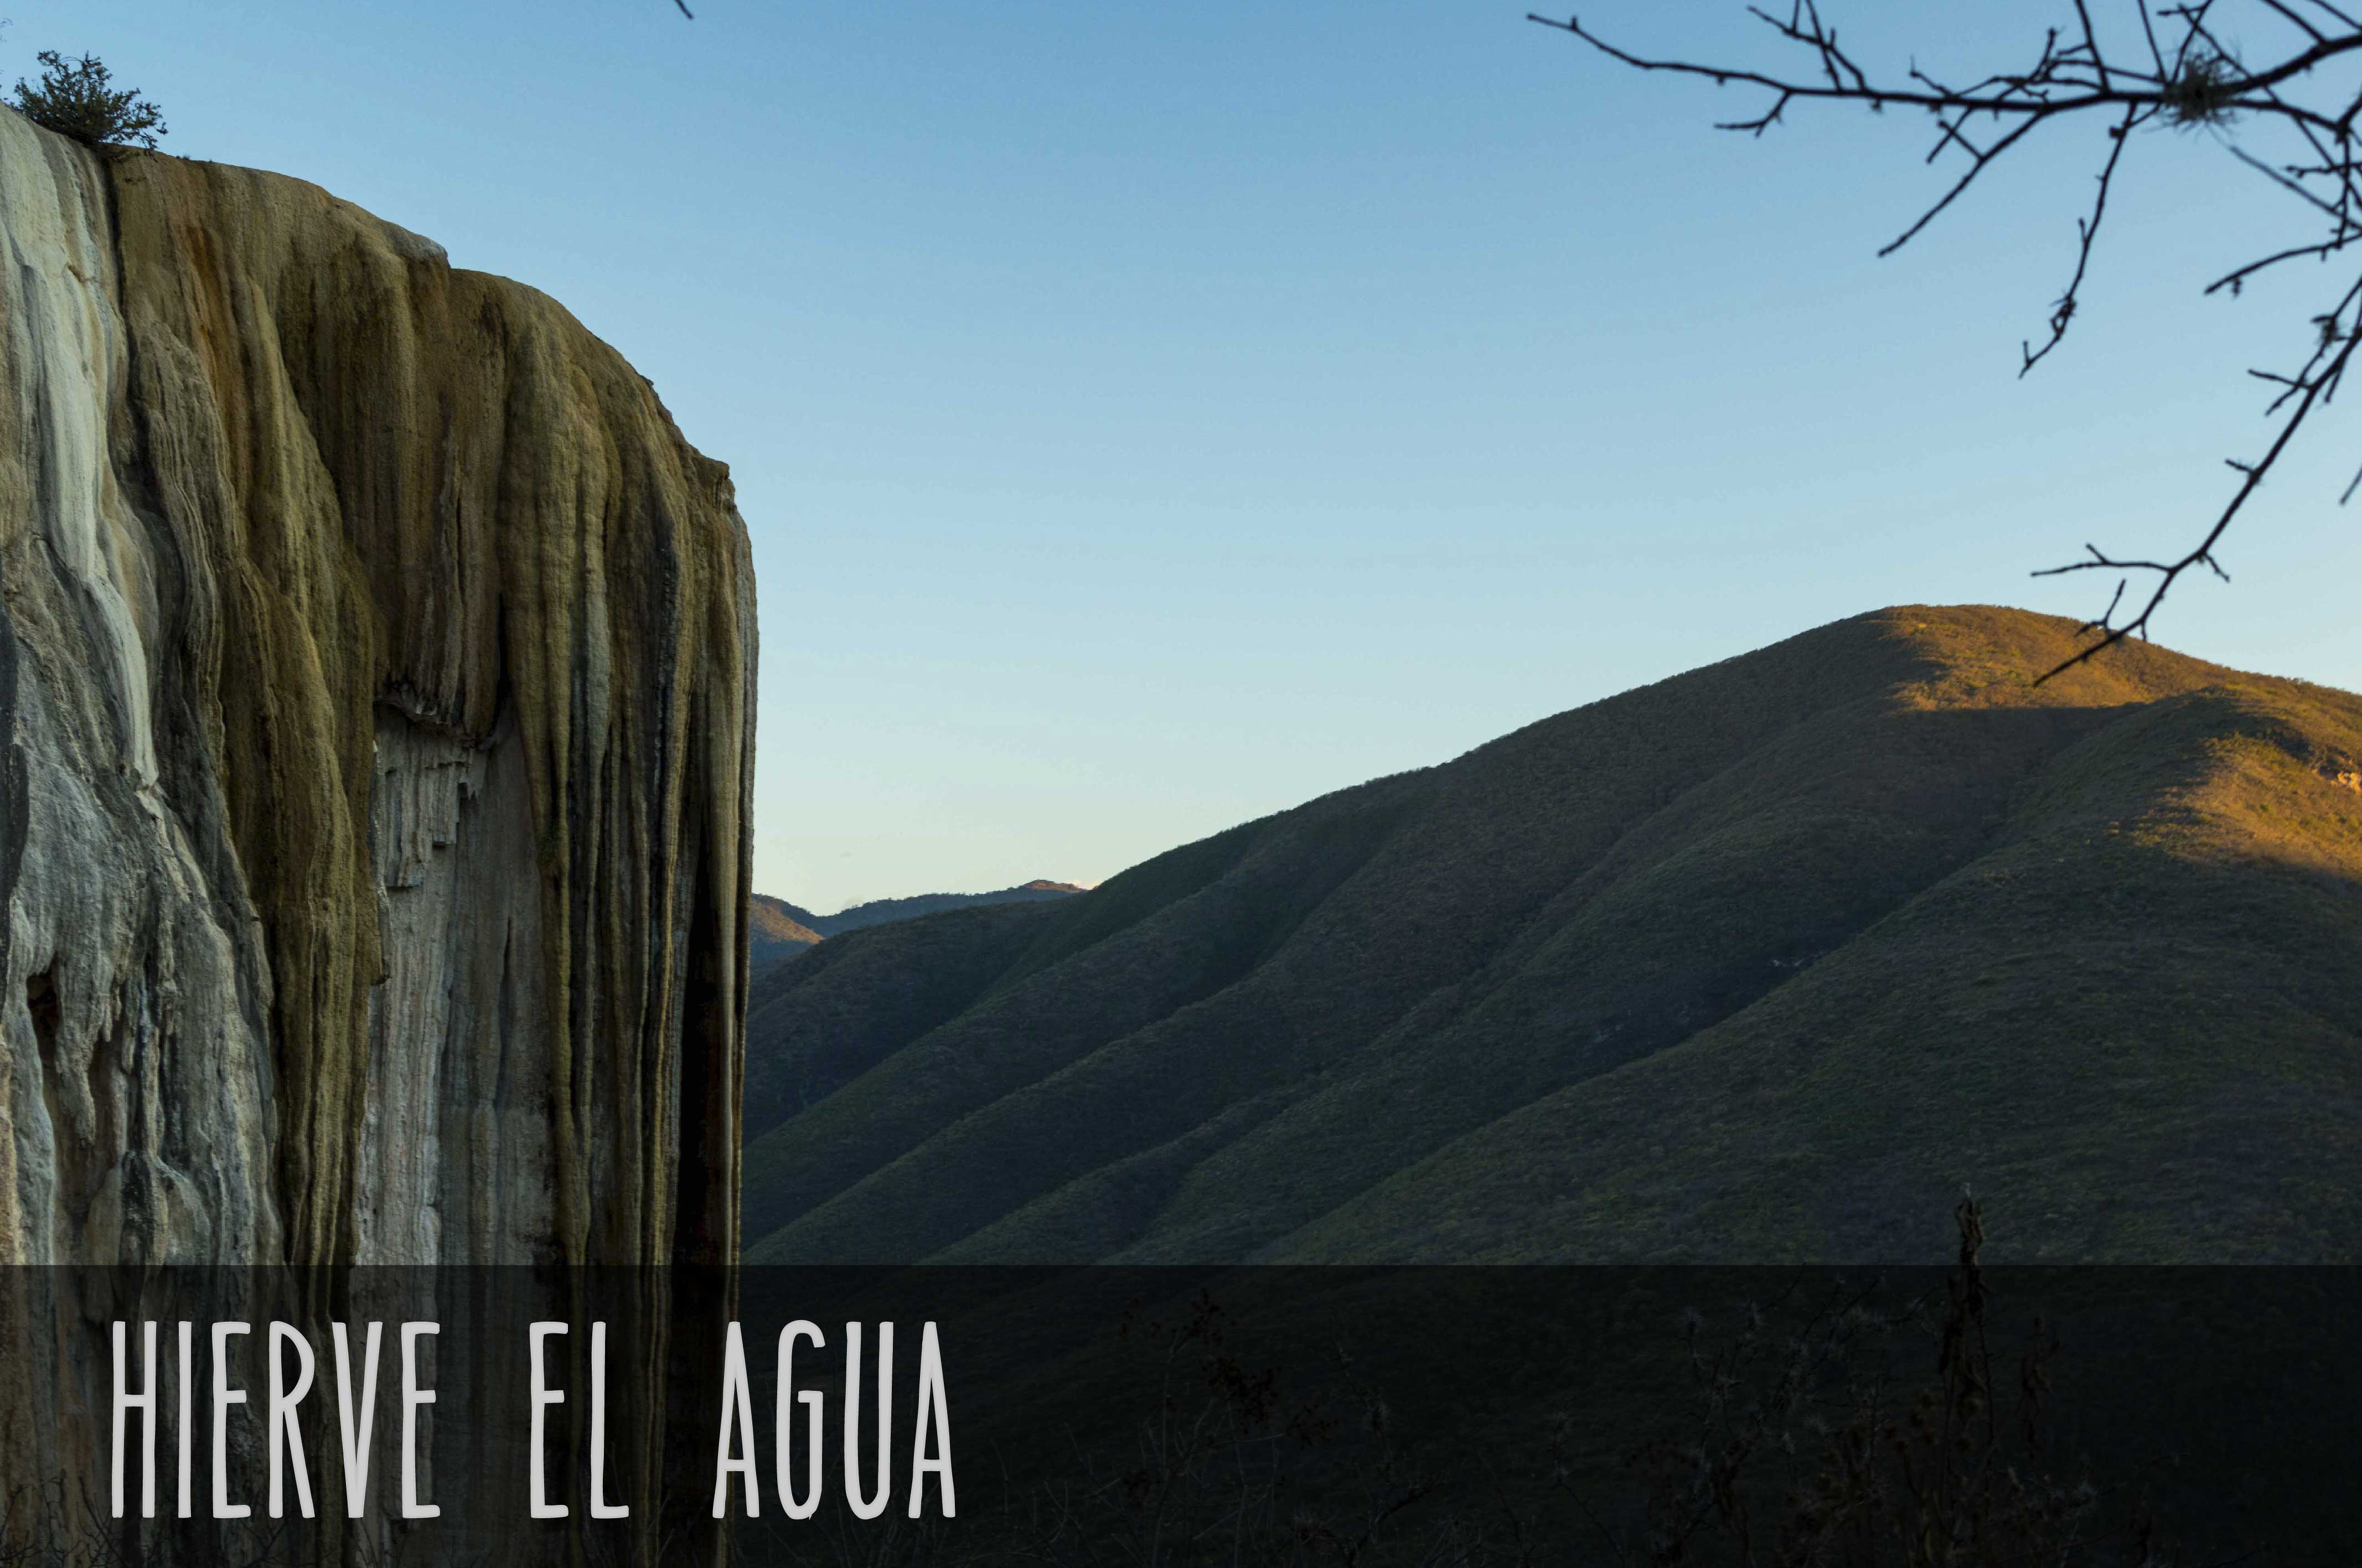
pixel 1153 416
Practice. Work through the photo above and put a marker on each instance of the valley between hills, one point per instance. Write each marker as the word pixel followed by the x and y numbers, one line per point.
pixel 1763 963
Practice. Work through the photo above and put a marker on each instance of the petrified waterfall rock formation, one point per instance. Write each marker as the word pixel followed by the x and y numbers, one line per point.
pixel 376 704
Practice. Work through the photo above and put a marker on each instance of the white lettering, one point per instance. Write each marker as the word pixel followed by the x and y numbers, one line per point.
pixel 735 1401
pixel 412 1397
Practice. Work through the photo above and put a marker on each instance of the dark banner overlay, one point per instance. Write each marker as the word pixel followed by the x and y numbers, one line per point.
pixel 940 1415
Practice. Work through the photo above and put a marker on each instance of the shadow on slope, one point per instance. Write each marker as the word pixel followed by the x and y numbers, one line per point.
pixel 1729 967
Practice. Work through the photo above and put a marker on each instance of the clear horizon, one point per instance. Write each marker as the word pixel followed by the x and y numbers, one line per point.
pixel 1149 421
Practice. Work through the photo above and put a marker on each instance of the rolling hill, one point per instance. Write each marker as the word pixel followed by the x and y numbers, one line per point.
pixel 782 930
pixel 1760 962
pixel 878 911
pixel 774 931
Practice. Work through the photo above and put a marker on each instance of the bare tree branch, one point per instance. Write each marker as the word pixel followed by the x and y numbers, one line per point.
pixel 2087 230
pixel 2199 83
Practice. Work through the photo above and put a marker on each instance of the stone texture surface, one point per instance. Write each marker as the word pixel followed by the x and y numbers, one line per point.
pixel 377 673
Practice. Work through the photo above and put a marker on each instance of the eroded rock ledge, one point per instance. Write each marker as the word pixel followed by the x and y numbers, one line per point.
pixel 376 706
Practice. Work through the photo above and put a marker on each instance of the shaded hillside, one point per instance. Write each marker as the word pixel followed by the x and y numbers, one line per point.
pixel 779 929
pixel 1760 962
pixel 822 1035
pixel 878 911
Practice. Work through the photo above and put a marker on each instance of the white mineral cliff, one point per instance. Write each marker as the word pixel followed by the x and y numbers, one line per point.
pixel 376 705
pixel 137 1078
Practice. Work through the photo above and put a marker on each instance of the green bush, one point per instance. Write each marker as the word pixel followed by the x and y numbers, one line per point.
pixel 76 98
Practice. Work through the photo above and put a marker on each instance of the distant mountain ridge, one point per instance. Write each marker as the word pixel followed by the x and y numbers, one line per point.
pixel 773 931
pixel 780 929
pixel 1761 963
pixel 878 912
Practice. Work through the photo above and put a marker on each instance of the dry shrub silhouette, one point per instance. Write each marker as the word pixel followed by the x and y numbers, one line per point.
pixel 1212 1472
pixel 1803 1450
pixel 1797 1446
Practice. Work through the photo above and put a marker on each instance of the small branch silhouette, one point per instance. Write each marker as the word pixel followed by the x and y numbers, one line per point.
pixel 2183 75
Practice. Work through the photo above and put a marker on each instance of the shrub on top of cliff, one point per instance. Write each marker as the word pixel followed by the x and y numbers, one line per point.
pixel 76 98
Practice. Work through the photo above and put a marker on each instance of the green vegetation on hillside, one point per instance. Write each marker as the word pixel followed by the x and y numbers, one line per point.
pixel 1758 963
